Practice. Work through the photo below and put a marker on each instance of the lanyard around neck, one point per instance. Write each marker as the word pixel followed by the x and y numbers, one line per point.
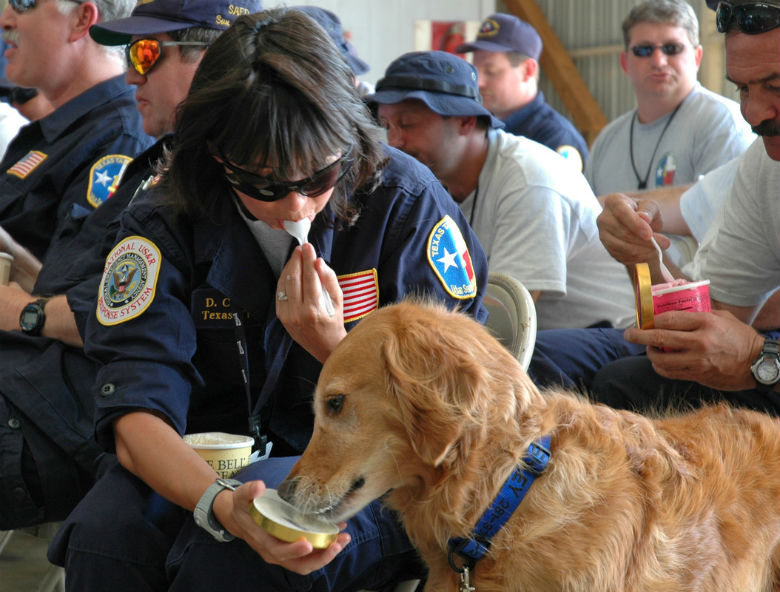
pixel 642 183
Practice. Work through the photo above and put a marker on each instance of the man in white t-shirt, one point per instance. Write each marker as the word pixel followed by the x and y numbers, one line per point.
pixel 694 357
pixel 534 223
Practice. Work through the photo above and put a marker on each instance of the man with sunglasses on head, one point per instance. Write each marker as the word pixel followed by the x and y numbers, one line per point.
pixel 731 353
pixel 679 130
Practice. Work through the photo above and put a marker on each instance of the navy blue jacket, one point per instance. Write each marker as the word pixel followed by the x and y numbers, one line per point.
pixel 46 386
pixel 541 123
pixel 68 160
pixel 169 343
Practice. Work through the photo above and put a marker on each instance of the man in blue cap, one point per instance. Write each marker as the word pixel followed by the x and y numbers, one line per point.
pixel 506 55
pixel 535 224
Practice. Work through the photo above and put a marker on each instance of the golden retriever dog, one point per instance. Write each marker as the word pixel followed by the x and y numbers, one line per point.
pixel 422 406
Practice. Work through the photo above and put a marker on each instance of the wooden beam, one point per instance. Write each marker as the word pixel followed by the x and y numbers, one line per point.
pixel 560 69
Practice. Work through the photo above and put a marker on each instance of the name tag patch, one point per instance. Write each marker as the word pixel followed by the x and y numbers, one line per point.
pixel 104 177
pixel 211 309
pixel 129 280
pixel 450 259
pixel 27 164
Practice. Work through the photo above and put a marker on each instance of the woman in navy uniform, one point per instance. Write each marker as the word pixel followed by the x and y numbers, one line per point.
pixel 205 288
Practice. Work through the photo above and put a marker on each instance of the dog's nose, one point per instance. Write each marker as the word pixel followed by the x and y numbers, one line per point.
pixel 287 489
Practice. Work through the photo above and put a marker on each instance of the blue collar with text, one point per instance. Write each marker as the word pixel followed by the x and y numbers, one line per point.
pixel 472 549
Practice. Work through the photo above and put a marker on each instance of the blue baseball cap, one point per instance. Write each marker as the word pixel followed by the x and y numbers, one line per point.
pixel 332 25
pixel 162 16
pixel 446 83
pixel 505 32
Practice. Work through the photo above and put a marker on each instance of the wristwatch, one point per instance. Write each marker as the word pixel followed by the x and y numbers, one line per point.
pixel 766 368
pixel 204 511
pixel 33 318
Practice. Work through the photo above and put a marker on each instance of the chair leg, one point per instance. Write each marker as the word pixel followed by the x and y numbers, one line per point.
pixel 5 536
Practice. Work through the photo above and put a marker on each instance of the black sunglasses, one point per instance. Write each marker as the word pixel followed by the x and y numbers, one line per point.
pixel 21 6
pixel 751 19
pixel 264 189
pixel 668 49
pixel 17 94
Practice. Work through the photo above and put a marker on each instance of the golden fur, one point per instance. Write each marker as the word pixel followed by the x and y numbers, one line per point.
pixel 423 405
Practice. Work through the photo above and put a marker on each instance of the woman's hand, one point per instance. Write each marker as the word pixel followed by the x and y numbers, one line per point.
pixel 301 311
pixel 232 510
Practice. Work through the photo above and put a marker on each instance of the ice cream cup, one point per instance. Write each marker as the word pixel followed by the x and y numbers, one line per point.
pixel 226 453
pixel 6 262
pixel 678 295
pixel 285 522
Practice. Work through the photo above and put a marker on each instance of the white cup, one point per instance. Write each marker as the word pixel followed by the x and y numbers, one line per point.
pixel 6 262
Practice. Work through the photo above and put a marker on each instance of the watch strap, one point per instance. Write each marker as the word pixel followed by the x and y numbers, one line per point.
pixel 39 305
pixel 204 510
pixel 770 350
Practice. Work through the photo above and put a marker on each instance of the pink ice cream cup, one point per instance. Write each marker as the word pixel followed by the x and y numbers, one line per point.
pixel 690 296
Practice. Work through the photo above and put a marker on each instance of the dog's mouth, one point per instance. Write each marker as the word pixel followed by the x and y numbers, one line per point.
pixel 336 508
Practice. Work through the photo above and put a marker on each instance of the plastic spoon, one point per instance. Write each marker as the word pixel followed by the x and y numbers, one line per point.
pixel 667 275
pixel 300 231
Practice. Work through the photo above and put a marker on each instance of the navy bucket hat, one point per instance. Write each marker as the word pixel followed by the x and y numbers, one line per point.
pixel 505 32
pixel 162 16
pixel 446 83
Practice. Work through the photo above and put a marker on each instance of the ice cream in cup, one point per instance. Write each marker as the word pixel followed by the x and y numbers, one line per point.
pixel 677 295
pixel 226 453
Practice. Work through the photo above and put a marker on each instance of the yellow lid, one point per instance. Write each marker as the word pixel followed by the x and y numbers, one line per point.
pixel 286 523
pixel 643 291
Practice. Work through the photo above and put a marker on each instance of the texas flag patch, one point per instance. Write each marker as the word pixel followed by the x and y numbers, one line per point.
pixel 449 257
pixel 361 294
pixel 664 174
pixel 27 164
pixel 104 176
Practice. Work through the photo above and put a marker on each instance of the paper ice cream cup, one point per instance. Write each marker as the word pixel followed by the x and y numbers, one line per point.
pixel 226 453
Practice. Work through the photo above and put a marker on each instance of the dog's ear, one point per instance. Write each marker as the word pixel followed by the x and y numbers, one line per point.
pixel 437 383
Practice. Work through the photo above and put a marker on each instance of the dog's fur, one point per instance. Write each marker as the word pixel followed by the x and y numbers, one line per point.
pixel 423 405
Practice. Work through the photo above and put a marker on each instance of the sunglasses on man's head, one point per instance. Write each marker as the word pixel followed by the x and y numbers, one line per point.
pixel 264 189
pixel 143 54
pixel 751 19
pixel 668 49
pixel 26 5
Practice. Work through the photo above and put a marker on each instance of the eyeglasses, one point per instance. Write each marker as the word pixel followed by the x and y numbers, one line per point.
pixel 264 189
pixel 751 19
pixel 21 6
pixel 143 54
pixel 668 49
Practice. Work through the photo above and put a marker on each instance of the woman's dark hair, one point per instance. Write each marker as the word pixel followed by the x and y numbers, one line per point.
pixel 273 90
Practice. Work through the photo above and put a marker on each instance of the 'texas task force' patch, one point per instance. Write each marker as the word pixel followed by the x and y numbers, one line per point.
pixel 449 257
pixel 104 177
pixel 129 280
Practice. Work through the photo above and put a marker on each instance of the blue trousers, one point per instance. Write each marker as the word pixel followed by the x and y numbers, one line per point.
pixel 124 537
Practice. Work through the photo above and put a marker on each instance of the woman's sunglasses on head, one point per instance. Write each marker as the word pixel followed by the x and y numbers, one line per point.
pixel 143 54
pixel 751 19
pixel 668 49
pixel 264 189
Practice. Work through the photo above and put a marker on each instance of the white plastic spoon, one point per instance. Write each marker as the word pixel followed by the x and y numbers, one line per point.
pixel 668 277
pixel 300 231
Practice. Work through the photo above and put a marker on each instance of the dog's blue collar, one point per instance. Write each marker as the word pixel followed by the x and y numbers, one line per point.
pixel 472 549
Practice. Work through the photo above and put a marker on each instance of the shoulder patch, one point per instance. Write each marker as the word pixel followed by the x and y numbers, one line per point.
pixel 450 259
pixel 27 164
pixel 361 294
pixel 104 176
pixel 571 154
pixel 129 280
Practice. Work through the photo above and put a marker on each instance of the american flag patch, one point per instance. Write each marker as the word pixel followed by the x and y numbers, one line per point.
pixel 27 164
pixel 361 294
